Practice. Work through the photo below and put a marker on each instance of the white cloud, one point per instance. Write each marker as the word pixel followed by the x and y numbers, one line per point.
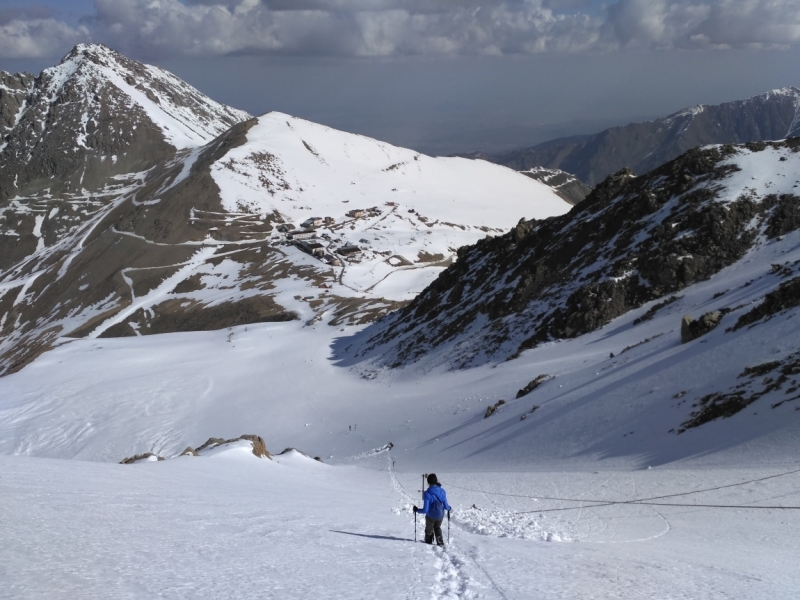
pixel 703 23
pixel 343 27
pixel 376 28
pixel 35 37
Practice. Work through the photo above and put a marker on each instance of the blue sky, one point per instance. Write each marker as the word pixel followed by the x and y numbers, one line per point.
pixel 437 75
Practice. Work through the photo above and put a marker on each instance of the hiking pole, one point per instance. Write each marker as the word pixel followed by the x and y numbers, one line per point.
pixel 448 526
pixel 415 527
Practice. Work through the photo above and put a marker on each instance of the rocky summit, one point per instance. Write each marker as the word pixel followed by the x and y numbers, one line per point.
pixel 80 132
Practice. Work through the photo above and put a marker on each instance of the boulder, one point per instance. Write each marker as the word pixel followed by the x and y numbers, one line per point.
pixel 259 447
pixel 686 331
pixel 692 329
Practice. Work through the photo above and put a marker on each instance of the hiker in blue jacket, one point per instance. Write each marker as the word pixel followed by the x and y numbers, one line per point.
pixel 434 509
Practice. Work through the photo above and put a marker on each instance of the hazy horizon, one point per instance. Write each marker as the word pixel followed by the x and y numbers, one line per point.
pixel 431 76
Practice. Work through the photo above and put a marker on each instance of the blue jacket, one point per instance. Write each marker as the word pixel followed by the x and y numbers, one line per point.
pixel 435 502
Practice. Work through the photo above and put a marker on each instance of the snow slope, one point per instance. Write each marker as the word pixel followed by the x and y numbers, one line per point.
pixel 235 526
pixel 428 206
pixel 550 491
pixel 102 399
pixel 295 165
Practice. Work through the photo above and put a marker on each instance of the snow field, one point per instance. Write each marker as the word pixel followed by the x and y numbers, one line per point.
pixel 229 524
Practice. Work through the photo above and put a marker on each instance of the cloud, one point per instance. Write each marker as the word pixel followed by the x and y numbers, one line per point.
pixel 702 24
pixel 380 28
pixel 365 28
pixel 32 32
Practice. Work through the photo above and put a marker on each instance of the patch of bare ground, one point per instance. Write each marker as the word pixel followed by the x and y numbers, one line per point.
pixel 181 314
pixel 144 281
pixel 399 261
pixel 21 355
pixel 426 257
pixel 358 311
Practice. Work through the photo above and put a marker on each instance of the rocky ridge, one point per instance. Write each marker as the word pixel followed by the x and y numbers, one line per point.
pixel 566 185
pixel 632 241
pixel 644 146
pixel 74 137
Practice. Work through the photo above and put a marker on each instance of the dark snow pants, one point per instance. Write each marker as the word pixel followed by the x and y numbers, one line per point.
pixel 433 527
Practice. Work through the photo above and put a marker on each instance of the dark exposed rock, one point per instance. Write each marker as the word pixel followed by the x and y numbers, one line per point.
pixel 189 452
pixel 212 442
pixel 785 297
pixel 532 386
pixel 490 410
pixel 566 185
pixel 758 381
pixel 290 449
pixel 259 447
pixel 651 312
pixel 715 406
pixel 785 216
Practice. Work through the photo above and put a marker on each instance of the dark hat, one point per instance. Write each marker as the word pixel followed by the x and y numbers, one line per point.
pixel 432 479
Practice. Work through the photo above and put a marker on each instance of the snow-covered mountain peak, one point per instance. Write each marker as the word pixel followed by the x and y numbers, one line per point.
pixel 293 166
pixel 186 117
pixel 82 129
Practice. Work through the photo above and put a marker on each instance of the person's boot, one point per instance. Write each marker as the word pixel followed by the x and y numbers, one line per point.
pixel 429 539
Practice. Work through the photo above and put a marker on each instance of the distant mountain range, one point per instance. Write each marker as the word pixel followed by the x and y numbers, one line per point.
pixel 645 146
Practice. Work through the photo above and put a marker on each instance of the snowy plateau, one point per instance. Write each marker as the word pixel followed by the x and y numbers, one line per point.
pixel 620 464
